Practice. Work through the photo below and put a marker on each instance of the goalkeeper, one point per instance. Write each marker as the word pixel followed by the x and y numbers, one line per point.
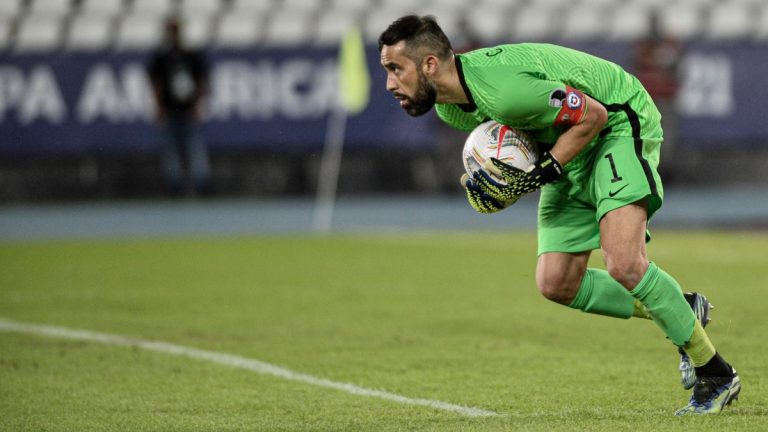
pixel 599 135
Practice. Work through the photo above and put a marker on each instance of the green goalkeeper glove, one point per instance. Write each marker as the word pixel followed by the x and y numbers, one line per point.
pixel 518 182
pixel 481 201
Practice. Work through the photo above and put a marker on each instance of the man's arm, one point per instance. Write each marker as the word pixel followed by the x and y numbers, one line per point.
pixel 573 140
pixel 585 118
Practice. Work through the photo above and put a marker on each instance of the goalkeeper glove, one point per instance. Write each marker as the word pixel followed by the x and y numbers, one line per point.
pixel 518 182
pixel 481 201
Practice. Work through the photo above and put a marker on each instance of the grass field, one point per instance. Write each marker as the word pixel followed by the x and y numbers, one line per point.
pixel 451 317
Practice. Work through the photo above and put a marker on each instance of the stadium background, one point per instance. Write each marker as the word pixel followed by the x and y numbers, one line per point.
pixel 414 294
pixel 76 109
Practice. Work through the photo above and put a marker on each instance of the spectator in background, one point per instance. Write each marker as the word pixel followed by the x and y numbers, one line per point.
pixel 179 79
pixel 656 61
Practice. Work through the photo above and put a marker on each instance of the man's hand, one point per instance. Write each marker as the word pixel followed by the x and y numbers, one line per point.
pixel 481 201
pixel 518 182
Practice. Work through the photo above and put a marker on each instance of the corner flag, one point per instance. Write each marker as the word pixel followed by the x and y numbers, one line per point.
pixel 354 93
pixel 354 78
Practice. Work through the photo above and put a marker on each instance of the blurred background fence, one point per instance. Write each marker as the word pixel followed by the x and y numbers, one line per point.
pixel 77 111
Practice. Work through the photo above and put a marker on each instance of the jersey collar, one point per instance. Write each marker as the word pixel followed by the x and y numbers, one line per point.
pixel 468 107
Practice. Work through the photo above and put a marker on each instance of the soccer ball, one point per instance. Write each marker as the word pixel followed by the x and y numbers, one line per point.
pixel 492 139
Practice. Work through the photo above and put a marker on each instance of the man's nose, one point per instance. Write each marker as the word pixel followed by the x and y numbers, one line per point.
pixel 391 84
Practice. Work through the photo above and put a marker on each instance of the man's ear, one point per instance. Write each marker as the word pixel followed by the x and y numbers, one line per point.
pixel 430 65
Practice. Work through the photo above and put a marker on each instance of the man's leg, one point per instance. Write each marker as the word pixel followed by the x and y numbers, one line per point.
pixel 559 274
pixel 172 160
pixel 564 278
pixel 568 232
pixel 622 234
pixel 197 155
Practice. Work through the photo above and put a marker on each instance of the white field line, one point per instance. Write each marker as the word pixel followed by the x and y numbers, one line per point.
pixel 230 360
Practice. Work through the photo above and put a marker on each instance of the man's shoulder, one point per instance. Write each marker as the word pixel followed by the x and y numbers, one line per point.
pixel 507 58
pixel 513 49
pixel 484 75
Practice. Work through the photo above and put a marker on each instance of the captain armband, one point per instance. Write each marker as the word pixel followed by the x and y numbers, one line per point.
pixel 572 104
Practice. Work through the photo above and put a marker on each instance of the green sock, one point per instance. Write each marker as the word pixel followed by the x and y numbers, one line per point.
pixel 600 294
pixel 662 297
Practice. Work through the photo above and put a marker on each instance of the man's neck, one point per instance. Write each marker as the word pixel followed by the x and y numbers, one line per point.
pixel 449 88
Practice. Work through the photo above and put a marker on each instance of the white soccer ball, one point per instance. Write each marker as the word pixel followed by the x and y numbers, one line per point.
pixel 495 140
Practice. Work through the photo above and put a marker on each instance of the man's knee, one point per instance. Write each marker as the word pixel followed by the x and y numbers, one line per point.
pixel 623 236
pixel 559 287
pixel 627 269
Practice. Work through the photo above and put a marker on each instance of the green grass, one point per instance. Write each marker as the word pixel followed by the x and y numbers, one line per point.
pixel 446 316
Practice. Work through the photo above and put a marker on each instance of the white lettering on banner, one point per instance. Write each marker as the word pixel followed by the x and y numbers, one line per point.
pixel 118 99
pixel 99 95
pixel 297 89
pixel 295 76
pixel 43 99
pixel 138 93
pixel 326 95
pixel 36 97
pixel 11 89
pixel 319 85
pixel 707 86
pixel 241 90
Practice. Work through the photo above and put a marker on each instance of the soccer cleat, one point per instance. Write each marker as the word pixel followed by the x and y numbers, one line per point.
pixel 701 308
pixel 700 305
pixel 687 372
pixel 712 394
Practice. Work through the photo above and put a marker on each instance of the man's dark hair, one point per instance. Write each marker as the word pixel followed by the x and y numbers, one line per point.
pixel 417 32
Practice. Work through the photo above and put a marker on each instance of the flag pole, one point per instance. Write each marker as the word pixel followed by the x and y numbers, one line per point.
pixel 354 89
pixel 330 165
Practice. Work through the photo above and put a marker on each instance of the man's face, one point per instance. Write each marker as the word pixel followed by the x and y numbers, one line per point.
pixel 406 81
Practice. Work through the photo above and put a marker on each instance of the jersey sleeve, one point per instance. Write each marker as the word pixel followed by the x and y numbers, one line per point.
pixel 526 99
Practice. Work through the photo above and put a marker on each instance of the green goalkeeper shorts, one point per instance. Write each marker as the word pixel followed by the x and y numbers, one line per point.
pixel 616 172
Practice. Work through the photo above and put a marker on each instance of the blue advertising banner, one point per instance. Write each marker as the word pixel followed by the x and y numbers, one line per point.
pixel 78 103
pixel 67 103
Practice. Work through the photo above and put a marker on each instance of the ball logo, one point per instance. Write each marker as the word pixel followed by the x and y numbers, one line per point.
pixel 573 100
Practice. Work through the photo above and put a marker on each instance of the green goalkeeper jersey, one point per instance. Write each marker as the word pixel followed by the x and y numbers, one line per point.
pixel 536 87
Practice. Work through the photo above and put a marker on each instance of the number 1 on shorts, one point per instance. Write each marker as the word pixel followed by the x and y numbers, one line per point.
pixel 616 177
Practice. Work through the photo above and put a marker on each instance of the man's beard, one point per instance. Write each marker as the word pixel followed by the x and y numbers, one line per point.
pixel 424 98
